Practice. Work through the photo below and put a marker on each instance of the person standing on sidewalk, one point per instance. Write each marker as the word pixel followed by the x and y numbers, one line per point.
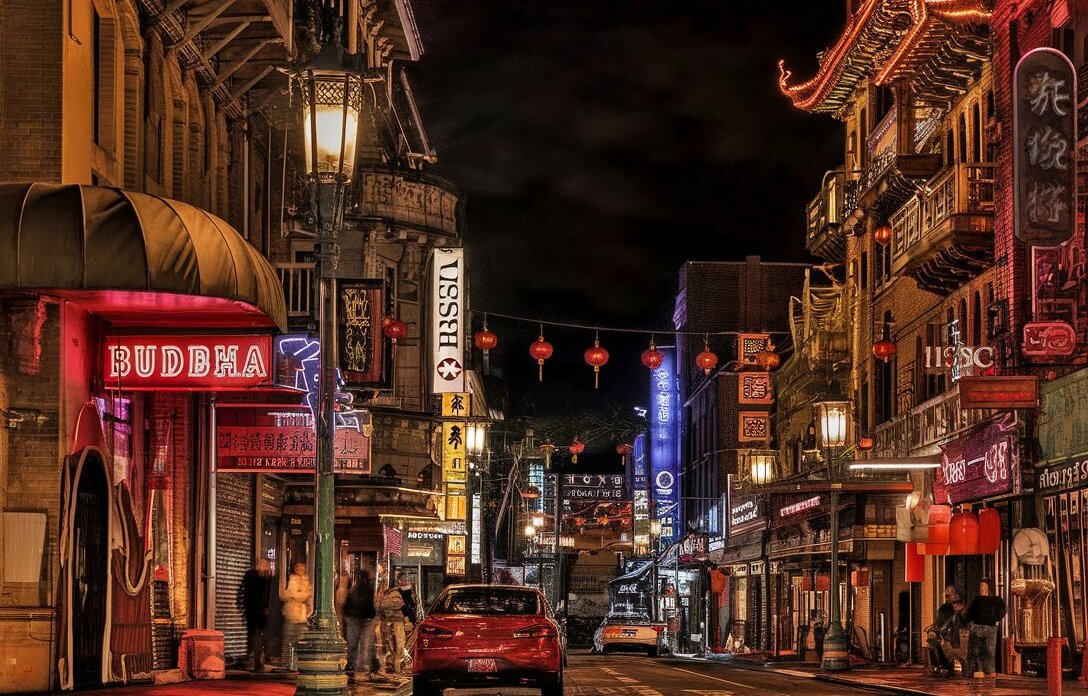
pixel 256 594
pixel 359 615
pixel 298 604
pixel 983 616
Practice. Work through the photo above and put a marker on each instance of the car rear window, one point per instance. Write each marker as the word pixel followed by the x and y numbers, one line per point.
pixel 486 600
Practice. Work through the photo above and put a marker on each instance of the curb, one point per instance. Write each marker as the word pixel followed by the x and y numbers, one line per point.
pixel 871 687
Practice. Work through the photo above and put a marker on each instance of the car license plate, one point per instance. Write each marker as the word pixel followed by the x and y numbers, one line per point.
pixel 482 666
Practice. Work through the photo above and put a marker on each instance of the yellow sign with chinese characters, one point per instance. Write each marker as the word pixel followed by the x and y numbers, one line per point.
pixel 456 501
pixel 456 405
pixel 454 463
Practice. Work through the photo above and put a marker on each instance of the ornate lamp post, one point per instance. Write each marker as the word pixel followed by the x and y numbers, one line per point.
pixel 655 536
pixel 833 423
pixel 331 99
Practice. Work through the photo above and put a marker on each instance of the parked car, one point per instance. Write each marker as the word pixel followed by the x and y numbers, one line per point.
pixel 631 633
pixel 489 635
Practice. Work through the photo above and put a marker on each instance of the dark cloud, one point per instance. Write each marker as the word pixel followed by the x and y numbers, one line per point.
pixel 601 144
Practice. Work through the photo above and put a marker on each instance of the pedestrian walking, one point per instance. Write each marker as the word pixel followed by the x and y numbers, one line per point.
pixel 255 594
pixel 983 616
pixel 298 603
pixel 359 613
pixel 411 615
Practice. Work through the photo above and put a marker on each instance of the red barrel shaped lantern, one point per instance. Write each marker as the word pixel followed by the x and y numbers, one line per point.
pixel 963 534
pixel 575 449
pixel 486 340
pixel 707 360
pixel 540 350
pixel 652 357
pixel 989 530
pixel 394 329
pixel 915 564
pixel 939 518
pixel 597 357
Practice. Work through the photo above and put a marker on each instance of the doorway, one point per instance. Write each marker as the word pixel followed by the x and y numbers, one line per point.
pixel 90 573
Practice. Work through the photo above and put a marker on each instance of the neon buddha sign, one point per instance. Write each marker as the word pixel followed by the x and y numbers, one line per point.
pixel 187 362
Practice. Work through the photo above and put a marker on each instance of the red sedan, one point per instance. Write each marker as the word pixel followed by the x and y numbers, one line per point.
pixel 490 635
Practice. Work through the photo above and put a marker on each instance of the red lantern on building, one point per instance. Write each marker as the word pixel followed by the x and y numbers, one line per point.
pixel 652 357
pixel 540 350
pixel 579 521
pixel 485 339
pixel 768 359
pixel 394 329
pixel 915 564
pixel 575 449
pixel 865 443
pixel 938 541
pixel 624 449
pixel 963 534
pixel 989 530
pixel 706 361
pixel 882 235
pixel 597 357
pixel 884 349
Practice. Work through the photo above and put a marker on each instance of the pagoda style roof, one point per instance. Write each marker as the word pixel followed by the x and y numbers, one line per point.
pixel 891 39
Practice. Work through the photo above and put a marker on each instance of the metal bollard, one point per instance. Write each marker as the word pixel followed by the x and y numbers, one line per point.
pixel 1054 665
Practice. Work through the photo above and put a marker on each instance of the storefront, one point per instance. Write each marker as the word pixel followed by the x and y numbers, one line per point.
pixel 739 614
pixel 682 581
pixel 136 311
pixel 1061 486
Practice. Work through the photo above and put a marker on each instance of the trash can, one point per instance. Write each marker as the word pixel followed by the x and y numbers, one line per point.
pixel 200 655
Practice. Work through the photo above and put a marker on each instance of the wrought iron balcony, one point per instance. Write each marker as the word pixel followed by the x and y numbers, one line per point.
pixel 891 179
pixel 826 213
pixel 924 425
pixel 943 235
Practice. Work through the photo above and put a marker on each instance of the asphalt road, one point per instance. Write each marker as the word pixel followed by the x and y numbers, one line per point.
pixel 635 675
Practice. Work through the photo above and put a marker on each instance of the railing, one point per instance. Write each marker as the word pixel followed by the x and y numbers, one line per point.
pixel 963 188
pixel 926 424
pixel 827 207
pixel 298 287
pixel 879 165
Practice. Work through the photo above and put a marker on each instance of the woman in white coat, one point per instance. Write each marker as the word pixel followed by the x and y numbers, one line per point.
pixel 298 604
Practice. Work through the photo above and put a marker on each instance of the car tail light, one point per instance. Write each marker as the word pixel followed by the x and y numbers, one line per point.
pixel 432 631
pixel 536 631
pixel 658 629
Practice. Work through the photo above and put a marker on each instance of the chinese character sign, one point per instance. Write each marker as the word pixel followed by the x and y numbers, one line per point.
pixel 1043 141
pixel 664 417
pixel 983 464
pixel 640 464
pixel 282 439
pixel 358 314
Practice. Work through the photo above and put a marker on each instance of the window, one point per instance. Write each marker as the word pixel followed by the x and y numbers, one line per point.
pixel 965 329
pixel 949 148
pixel 976 134
pixel 963 138
pixel 103 57
pixel 488 601
pixel 883 100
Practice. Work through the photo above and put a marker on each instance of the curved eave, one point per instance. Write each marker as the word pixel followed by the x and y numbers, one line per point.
pixel 934 23
pixel 869 34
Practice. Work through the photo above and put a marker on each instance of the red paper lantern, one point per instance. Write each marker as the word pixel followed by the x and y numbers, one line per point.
pixel 706 360
pixel 937 543
pixel 963 534
pixel 915 563
pixel 394 329
pixel 989 530
pixel 602 520
pixel 882 235
pixel 652 357
pixel 575 449
pixel 865 443
pixel 486 340
pixel 768 359
pixel 579 521
pixel 597 357
pixel 884 349
pixel 541 350
pixel 823 582
pixel 624 449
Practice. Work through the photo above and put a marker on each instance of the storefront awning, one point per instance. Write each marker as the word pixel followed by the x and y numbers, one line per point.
pixel 125 255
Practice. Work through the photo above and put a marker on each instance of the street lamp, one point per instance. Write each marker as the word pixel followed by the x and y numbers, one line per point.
pixel 655 536
pixel 331 101
pixel 833 419
pixel 761 466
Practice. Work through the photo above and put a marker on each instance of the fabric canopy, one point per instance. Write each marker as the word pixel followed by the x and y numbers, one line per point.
pixel 72 237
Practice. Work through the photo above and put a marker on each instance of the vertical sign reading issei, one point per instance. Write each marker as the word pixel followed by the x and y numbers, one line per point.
pixel 1044 121
pixel 358 314
pixel 447 320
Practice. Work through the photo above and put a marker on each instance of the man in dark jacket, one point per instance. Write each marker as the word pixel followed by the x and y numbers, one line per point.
pixel 359 613
pixel 256 593
pixel 983 616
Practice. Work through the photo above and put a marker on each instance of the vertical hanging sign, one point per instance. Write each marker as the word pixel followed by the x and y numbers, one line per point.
pixel 358 330
pixel 1044 134
pixel 447 320
pixel 664 446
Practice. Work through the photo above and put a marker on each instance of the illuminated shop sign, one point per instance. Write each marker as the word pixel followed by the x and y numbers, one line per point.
pixel 593 486
pixel 981 465
pixel 359 334
pixel 447 321
pixel 281 439
pixel 187 362
pixel 664 419
pixel 744 513
pixel 795 508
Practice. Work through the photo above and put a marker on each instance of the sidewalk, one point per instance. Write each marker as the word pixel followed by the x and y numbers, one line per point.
pixel 240 683
pixel 907 679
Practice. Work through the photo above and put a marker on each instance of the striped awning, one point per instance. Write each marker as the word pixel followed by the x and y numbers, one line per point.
pixel 72 238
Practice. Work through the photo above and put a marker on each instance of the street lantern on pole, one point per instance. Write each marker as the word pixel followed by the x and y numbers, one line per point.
pixel 331 100
pixel 655 535
pixel 833 423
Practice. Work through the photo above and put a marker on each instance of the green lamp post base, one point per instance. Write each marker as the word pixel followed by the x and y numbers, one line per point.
pixel 836 656
pixel 322 656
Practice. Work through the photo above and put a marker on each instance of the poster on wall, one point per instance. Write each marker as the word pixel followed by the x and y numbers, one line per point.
pixel 664 417
pixel 358 331
pixel 447 321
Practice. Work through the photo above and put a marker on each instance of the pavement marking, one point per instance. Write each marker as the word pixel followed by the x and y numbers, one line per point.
pixel 726 681
pixel 795 673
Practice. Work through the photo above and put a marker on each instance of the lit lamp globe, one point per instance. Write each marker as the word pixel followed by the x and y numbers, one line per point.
pixel 833 420
pixel 331 101
pixel 530 531
pixel 761 466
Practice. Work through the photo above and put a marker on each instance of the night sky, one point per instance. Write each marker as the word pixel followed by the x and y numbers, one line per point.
pixel 600 145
